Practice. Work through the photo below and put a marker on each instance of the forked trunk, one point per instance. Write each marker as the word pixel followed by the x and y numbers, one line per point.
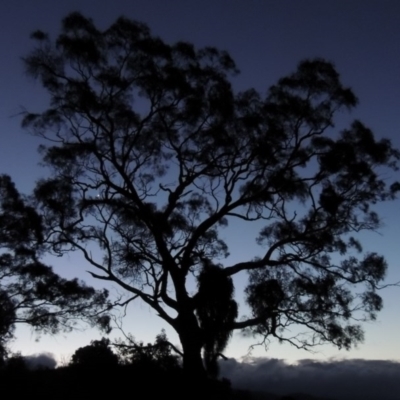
pixel 195 372
pixel 191 339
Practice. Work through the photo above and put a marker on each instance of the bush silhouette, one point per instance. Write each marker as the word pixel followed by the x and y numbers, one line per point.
pixel 96 355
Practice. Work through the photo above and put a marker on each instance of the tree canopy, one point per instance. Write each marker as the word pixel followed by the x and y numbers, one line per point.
pixel 30 291
pixel 153 154
pixel 97 355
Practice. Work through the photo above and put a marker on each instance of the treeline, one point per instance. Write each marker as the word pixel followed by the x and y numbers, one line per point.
pixel 132 368
pixel 125 367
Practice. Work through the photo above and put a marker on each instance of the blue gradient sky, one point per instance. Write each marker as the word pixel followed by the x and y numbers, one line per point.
pixel 267 39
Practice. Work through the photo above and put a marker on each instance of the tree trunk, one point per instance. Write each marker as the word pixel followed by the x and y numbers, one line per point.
pixel 192 361
pixel 190 335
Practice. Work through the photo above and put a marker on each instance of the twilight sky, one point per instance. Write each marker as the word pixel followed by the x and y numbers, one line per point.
pixel 266 39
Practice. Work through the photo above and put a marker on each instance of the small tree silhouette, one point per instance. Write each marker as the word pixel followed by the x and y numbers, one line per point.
pixel 157 355
pixel 96 355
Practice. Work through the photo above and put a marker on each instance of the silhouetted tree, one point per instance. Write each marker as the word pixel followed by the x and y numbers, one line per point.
pixel 30 292
pixel 157 355
pixel 96 355
pixel 16 364
pixel 7 318
pixel 153 153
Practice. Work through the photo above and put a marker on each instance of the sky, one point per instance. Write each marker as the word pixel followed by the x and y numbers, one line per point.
pixel 267 39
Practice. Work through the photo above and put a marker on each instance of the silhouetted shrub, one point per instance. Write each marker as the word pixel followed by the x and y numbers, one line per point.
pixel 96 355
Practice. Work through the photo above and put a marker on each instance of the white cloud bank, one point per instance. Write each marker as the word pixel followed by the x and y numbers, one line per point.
pixel 42 360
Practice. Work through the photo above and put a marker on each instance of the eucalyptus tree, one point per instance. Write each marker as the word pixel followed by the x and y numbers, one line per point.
pixel 153 154
pixel 31 292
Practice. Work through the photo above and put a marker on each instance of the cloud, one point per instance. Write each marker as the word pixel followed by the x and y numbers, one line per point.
pixel 42 360
pixel 355 379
